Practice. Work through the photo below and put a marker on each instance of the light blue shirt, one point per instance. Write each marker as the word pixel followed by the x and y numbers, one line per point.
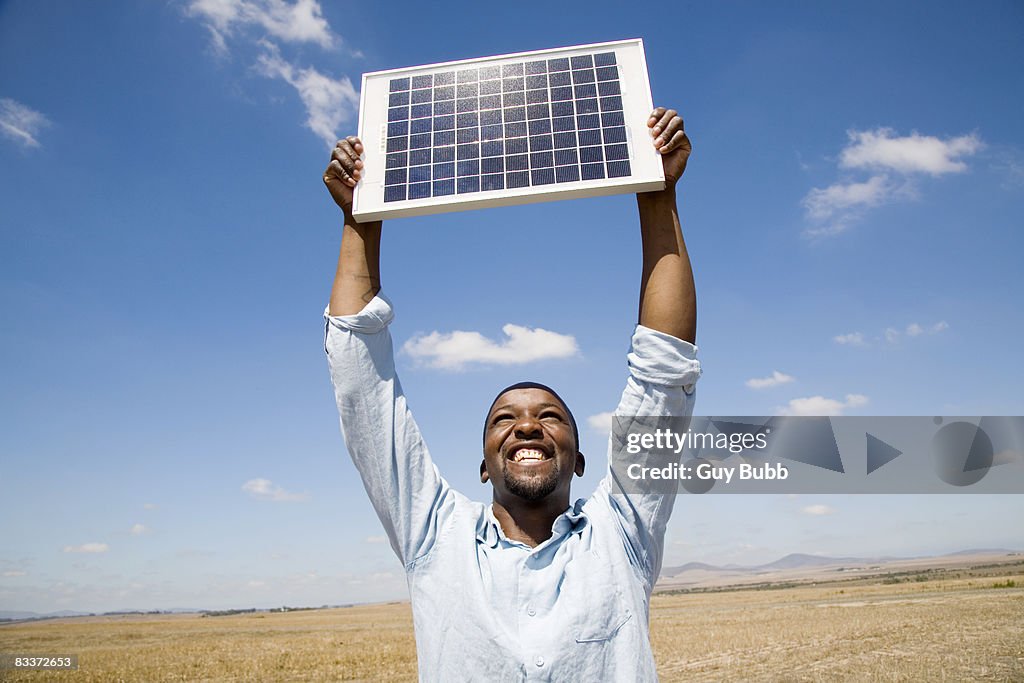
pixel 486 608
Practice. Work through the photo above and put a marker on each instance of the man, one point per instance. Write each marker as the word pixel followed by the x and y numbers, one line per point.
pixel 529 587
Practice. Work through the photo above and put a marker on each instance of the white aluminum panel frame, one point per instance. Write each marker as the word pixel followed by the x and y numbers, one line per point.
pixel 647 172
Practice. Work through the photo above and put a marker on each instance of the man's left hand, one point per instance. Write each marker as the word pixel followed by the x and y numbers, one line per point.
pixel 671 142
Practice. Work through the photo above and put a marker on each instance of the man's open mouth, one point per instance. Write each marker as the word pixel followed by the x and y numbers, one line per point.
pixel 528 455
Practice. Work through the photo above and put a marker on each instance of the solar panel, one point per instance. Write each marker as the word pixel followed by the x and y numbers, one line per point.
pixel 510 129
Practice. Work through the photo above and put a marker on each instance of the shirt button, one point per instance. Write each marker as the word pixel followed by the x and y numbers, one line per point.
pixel 539 661
pixel 531 611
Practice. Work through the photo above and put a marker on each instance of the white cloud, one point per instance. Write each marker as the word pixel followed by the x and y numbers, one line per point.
pixel 602 422
pixel 893 335
pixel 851 339
pixel 264 489
pixel 892 161
pixel 914 153
pixel 87 548
pixel 775 379
pixel 298 22
pixel 139 530
pixel 376 539
pixel 841 198
pixel 455 350
pixel 817 510
pixel 11 573
pixel 329 102
pixel 19 123
pixel 149 506
pixel 820 405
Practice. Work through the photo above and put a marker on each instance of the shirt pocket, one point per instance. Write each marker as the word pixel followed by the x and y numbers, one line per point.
pixel 599 633
pixel 602 611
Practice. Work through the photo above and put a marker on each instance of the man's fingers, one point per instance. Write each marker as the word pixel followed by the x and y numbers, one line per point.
pixel 677 141
pixel 347 158
pixel 666 126
pixel 345 151
pixel 337 170
pixel 655 117
pixel 352 146
pixel 341 165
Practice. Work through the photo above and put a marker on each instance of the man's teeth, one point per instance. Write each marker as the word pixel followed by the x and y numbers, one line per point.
pixel 528 454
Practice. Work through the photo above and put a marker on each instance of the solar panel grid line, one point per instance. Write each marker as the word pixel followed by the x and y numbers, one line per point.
pixel 512 128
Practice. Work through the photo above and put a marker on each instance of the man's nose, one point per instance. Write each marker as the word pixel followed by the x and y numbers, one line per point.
pixel 528 426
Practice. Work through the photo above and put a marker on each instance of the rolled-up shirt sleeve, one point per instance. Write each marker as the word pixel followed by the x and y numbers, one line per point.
pixel 384 441
pixel 663 374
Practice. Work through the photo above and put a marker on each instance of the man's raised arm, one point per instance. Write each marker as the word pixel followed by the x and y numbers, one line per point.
pixel 357 279
pixel 662 359
pixel 667 300
pixel 382 437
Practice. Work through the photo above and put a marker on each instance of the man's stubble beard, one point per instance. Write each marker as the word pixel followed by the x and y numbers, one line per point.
pixel 531 488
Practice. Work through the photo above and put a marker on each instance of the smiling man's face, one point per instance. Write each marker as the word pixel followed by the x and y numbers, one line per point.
pixel 530 449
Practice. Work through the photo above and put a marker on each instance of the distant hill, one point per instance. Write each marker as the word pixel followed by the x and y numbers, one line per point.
pixel 11 614
pixel 797 560
pixel 791 561
pixel 689 566
pixel 983 551
pixel 805 561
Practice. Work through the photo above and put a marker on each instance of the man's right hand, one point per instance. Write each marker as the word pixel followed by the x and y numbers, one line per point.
pixel 344 171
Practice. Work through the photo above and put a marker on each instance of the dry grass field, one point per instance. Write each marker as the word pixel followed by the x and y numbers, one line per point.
pixel 946 629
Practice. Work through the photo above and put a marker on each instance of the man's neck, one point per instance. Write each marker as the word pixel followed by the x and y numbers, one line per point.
pixel 528 522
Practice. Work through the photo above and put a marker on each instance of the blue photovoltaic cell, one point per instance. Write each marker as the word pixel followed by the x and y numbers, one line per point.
pixel 507 126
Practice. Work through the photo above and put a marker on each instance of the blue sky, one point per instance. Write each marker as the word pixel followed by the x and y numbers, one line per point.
pixel 853 209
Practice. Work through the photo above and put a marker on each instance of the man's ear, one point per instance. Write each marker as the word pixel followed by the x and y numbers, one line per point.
pixel 581 464
pixel 483 472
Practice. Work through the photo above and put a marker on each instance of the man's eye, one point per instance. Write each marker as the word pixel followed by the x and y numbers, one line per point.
pixel 554 416
pixel 501 418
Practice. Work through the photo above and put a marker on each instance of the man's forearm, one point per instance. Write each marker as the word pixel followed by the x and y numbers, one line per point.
pixel 667 299
pixel 357 279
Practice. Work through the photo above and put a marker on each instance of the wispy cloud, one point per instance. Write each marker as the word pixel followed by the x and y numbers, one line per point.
pixel 298 22
pixel 817 510
pixel 892 335
pixel 841 198
pixel 87 548
pixel 851 339
pixel 138 530
pixel 149 506
pixel 775 379
pixel 915 330
pixel 1009 163
pixel 375 540
pixel 893 161
pixel 455 350
pixel 329 102
pixel 602 422
pixel 820 405
pixel 12 573
pixel 264 489
pixel 20 123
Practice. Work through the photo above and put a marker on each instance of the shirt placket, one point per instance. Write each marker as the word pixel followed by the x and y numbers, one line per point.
pixel 536 642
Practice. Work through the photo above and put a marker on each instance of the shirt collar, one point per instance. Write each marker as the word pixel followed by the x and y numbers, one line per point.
pixel 573 521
